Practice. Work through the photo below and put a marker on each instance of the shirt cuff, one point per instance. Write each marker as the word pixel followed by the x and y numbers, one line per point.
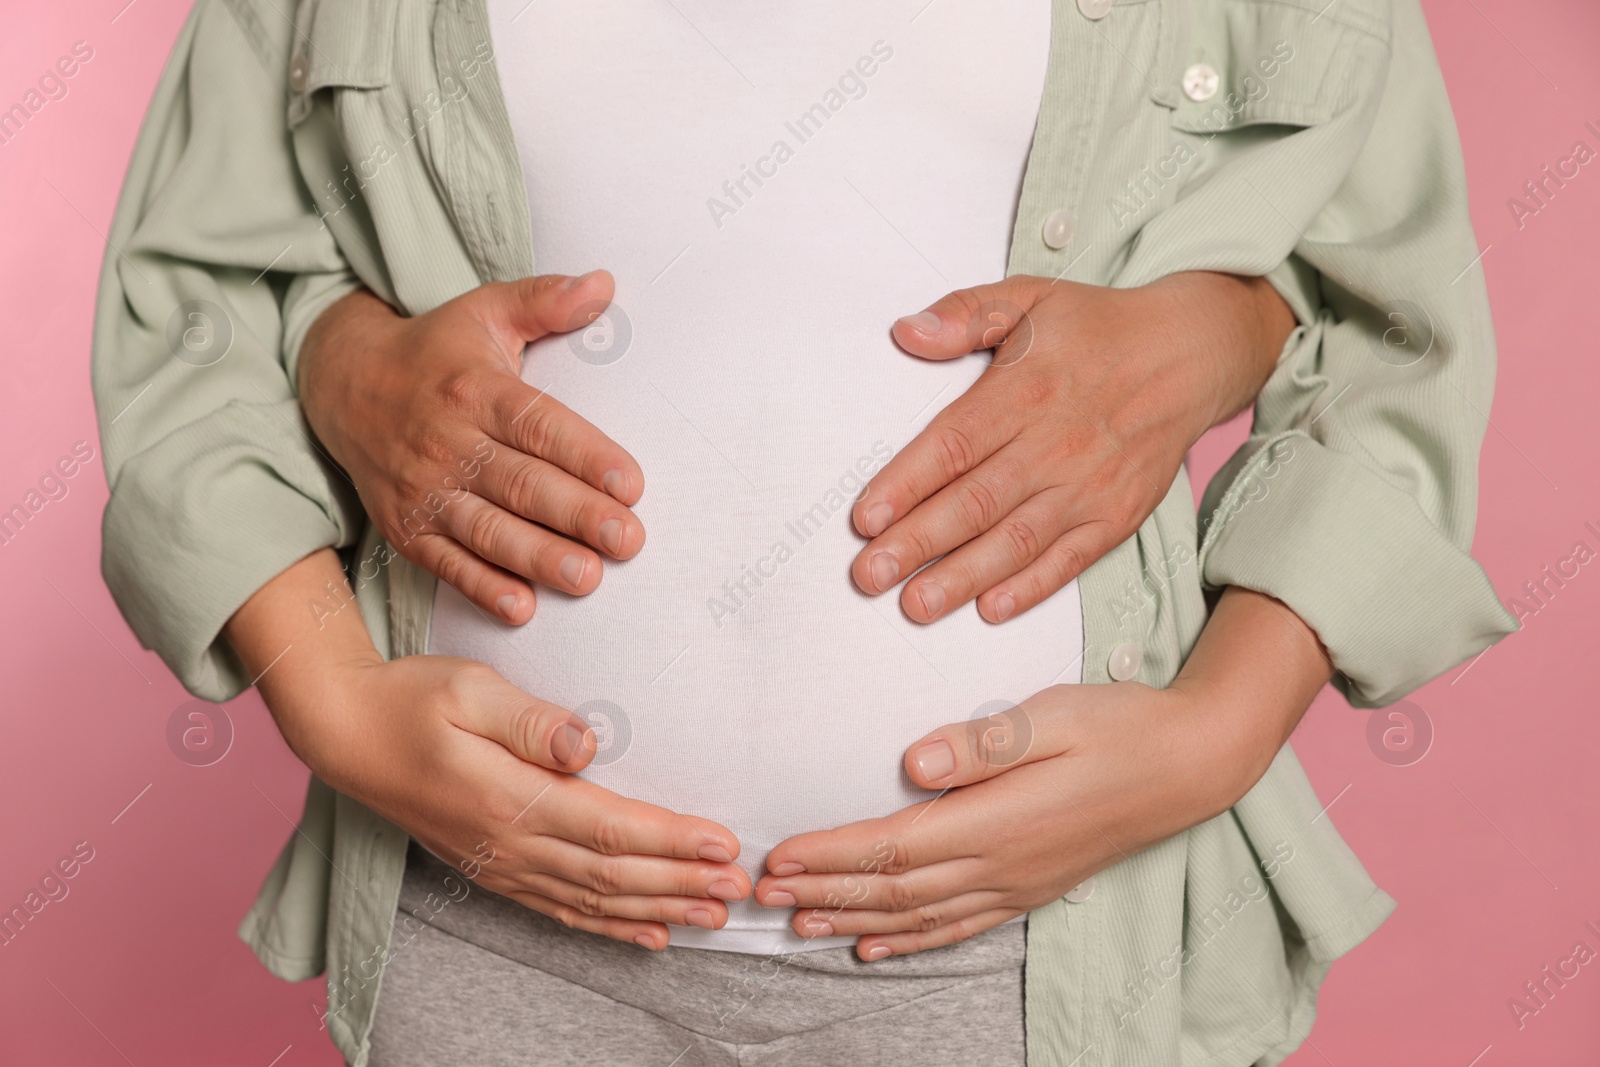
pixel 208 515
pixel 1395 602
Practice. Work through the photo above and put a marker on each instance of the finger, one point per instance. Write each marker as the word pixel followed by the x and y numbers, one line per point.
pixel 853 922
pixel 677 911
pixel 490 588
pixel 1067 557
pixel 982 559
pixel 520 546
pixel 969 320
pixel 523 311
pixel 639 875
pixel 532 730
pixel 963 753
pixel 650 935
pixel 598 819
pixel 971 505
pixel 892 845
pixel 882 946
pixel 871 891
pixel 958 439
pixel 545 494
pixel 537 424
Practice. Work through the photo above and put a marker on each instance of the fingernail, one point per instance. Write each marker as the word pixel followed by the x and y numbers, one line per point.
pixel 925 322
pixel 932 596
pixel 643 940
pixel 565 742
pixel 615 484
pixel 784 870
pixel 1004 605
pixel 572 570
pixel 611 536
pixel 779 899
pixel 714 853
pixel 885 571
pixel 935 759
pixel 702 918
pixel 574 282
pixel 724 890
pixel 818 928
pixel 876 952
pixel 877 518
pixel 507 606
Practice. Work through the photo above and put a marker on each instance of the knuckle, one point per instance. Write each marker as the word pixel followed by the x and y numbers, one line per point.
pixel 567 916
pixel 898 859
pixel 432 444
pixel 1021 539
pixel 955 449
pixel 462 390
pixel 451 567
pixel 1037 391
pixel 523 729
pixel 539 428
pixel 919 542
pixel 1130 511
pixel 608 835
pixel 969 305
pixel 586 510
pixel 607 877
pixel 525 484
pixel 463 686
pixel 486 528
pixel 926 918
pixel 979 502
pixel 590 902
pixel 1068 559
pixel 898 896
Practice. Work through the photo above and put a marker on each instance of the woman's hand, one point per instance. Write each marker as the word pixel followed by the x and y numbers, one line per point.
pixel 1068 441
pixel 467 471
pixel 479 771
pixel 1064 785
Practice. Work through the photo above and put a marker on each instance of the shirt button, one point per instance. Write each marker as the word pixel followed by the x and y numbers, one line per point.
pixel 1058 229
pixel 1200 82
pixel 1081 892
pixel 1124 662
pixel 299 70
pixel 1094 9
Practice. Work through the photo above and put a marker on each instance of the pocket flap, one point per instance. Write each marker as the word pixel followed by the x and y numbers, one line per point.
pixel 1279 62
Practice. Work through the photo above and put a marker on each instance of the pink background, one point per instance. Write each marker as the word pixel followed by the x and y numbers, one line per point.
pixel 1487 842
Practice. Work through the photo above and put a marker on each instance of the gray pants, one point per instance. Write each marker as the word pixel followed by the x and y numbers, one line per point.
pixel 488 982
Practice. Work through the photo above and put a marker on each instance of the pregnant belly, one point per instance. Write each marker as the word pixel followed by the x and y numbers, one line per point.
pixel 732 670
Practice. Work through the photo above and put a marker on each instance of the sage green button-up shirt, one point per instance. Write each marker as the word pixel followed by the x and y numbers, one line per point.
pixel 366 142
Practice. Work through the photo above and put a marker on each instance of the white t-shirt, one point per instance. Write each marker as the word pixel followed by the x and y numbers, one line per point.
pixel 771 187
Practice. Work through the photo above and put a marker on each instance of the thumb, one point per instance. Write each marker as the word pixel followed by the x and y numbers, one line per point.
pixel 528 728
pixel 527 309
pixel 1002 736
pixel 970 320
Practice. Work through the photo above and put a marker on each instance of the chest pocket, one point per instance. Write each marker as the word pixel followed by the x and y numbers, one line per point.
pixel 1244 63
pixel 339 44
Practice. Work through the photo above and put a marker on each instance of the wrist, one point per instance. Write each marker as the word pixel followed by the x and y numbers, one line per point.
pixel 308 660
pixel 1240 325
pixel 356 321
pixel 316 702
pixel 1250 679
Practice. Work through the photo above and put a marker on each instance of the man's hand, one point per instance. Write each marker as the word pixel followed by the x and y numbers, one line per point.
pixel 467 471
pixel 1068 441
pixel 478 771
pixel 1064 785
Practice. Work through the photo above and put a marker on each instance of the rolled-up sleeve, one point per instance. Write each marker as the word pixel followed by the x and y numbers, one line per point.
pixel 1354 499
pixel 216 265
